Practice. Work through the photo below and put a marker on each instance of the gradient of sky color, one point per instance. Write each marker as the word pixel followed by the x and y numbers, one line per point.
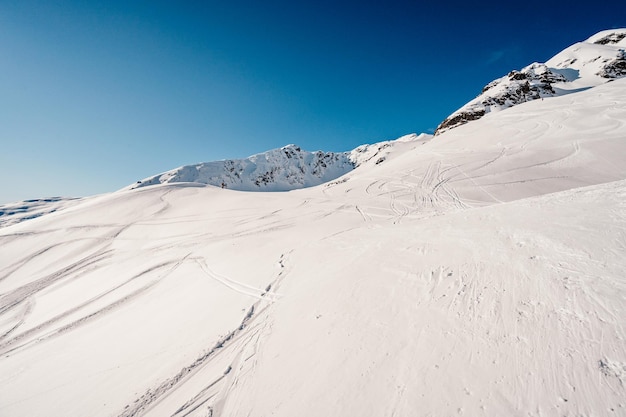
pixel 95 95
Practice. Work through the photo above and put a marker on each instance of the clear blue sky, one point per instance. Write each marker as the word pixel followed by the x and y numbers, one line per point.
pixel 96 95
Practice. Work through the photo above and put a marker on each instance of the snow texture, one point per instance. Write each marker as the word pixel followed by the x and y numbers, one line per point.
pixel 481 273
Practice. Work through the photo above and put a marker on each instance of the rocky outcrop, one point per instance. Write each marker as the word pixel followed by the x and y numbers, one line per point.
pixel 615 68
pixel 459 118
pixel 531 83
pixel 584 65
pixel 611 38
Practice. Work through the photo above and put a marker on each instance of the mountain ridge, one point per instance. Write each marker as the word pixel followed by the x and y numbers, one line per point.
pixel 282 169
pixel 599 59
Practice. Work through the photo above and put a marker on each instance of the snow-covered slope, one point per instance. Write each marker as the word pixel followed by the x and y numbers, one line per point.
pixel 599 59
pixel 481 274
pixel 404 287
pixel 13 213
pixel 284 169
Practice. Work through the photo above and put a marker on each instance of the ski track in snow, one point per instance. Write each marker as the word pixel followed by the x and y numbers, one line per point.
pixel 471 275
pixel 107 308
pixel 256 313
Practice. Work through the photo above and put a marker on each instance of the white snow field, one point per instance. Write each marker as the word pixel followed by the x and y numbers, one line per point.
pixel 479 273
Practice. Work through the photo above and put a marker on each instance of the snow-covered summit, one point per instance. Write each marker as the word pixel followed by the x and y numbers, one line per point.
pixel 281 169
pixel 597 60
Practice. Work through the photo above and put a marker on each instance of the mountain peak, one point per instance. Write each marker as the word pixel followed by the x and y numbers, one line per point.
pixel 586 64
pixel 280 169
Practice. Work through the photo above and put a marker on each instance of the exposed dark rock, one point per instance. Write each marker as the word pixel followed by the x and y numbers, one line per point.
pixel 516 75
pixel 612 38
pixel 615 68
pixel 459 119
pixel 531 83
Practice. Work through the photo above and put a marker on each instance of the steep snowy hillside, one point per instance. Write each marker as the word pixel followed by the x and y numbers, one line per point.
pixel 479 274
pixel 599 59
pixel 284 169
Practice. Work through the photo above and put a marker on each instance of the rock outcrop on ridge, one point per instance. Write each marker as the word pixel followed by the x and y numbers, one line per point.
pixel 599 59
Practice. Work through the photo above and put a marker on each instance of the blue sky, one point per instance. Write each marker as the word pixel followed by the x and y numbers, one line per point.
pixel 96 95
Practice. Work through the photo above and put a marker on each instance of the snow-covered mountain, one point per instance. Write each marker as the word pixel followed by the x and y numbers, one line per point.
pixel 13 213
pixel 284 169
pixel 281 169
pixel 599 59
pixel 479 273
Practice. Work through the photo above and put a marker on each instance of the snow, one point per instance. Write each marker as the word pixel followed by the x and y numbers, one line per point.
pixel 478 273
pixel 13 213
pixel 616 36
pixel 281 169
pixel 284 169
pixel 583 65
